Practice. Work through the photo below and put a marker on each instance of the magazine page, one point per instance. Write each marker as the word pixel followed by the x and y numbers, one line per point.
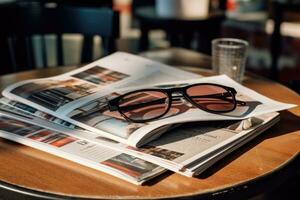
pixel 95 116
pixel 89 154
pixel 201 165
pixel 191 144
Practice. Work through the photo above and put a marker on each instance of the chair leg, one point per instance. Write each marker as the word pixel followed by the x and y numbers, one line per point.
pixel 9 58
pixel 22 54
pixel 109 45
pixel 31 58
pixel 276 41
pixel 44 52
pixel 144 39
pixel 87 49
pixel 59 50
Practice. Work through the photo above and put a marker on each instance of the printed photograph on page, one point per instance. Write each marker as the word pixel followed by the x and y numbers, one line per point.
pixel 100 76
pixel 53 138
pixel 158 152
pixel 130 165
pixel 24 109
pixel 17 127
pixel 52 94
pixel 97 115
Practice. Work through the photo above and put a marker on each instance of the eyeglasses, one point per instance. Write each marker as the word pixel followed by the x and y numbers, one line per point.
pixel 150 104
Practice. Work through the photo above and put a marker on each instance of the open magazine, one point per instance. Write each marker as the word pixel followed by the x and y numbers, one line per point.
pixel 188 149
pixel 79 98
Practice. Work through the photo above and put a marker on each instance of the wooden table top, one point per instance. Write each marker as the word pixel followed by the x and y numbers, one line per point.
pixel 249 169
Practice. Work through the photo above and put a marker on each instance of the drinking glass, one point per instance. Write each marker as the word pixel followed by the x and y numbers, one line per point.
pixel 229 57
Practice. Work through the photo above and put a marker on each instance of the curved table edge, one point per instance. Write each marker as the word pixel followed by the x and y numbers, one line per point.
pixel 249 188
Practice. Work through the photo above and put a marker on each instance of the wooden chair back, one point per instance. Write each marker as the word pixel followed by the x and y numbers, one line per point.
pixel 279 9
pixel 42 19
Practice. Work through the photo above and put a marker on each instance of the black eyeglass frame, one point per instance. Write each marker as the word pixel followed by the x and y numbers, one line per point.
pixel 113 104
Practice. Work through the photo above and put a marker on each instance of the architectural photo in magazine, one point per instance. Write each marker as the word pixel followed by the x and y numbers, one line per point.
pixel 53 94
pixel 100 76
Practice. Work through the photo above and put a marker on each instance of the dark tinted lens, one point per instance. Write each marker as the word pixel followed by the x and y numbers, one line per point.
pixel 212 98
pixel 144 105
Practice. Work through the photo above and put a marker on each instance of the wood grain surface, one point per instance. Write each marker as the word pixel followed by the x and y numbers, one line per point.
pixel 273 150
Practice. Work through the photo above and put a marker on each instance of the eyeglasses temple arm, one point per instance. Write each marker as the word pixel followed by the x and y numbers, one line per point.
pixel 241 103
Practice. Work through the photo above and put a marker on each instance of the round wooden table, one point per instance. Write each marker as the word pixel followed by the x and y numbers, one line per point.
pixel 258 166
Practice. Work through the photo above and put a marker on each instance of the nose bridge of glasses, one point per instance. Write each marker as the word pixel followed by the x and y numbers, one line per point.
pixel 112 107
pixel 177 96
pixel 176 93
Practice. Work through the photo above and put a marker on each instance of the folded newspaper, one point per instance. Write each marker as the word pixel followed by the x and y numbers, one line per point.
pixel 188 149
pixel 71 110
pixel 23 129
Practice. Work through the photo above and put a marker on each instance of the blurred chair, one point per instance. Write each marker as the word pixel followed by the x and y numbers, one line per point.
pixel 181 31
pixel 42 19
pixel 136 4
pixel 279 9
pixel 7 19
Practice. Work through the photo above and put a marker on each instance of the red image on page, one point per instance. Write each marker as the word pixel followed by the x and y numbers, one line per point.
pixel 63 141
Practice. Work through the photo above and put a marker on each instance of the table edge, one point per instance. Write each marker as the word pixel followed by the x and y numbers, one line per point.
pixel 247 187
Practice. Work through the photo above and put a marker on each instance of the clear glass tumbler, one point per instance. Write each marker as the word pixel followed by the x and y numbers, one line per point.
pixel 229 57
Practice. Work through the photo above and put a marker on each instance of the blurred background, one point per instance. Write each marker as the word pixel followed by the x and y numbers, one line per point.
pixel 271 27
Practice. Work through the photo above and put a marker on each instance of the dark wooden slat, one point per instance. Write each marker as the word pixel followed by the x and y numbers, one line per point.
pixel 33 18
pixel 279 9
pixel 59 49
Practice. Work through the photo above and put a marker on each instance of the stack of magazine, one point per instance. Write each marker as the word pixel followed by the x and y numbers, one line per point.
pixel 67 115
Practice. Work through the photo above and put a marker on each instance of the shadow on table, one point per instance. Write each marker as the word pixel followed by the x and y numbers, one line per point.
pixel 289 123
pixel 158 179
